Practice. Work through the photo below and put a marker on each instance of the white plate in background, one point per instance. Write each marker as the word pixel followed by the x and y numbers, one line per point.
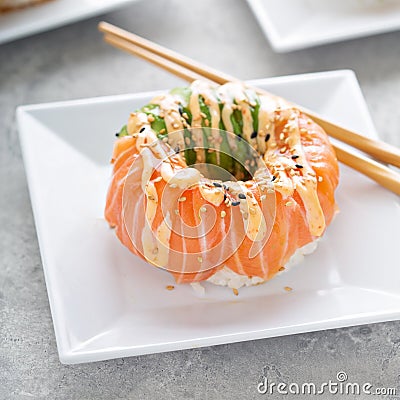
pixel 51 14
pixel 107 303
pixel 296 24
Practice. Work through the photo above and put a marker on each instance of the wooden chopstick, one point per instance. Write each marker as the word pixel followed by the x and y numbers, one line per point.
pixel 186 70
pixel 380 150
pixel 169 66
pixel 378 172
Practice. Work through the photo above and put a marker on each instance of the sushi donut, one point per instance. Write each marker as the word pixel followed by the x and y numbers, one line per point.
pixel 277 199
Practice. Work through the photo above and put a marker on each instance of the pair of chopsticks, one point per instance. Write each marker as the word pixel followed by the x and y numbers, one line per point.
pixel 191 70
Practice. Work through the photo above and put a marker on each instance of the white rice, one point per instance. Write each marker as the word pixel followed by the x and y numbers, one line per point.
pixel 229 278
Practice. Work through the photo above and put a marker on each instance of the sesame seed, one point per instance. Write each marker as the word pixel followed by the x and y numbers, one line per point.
pixel 282 269
pixel 165 140
pixel 270 191
pixel 181 199
pixel 235 203
pixel 223 214
pixel 170 287
pixel 158 179
pixel 141 130
pixel 203 115
pixel 117 134
pixel 273 178
pixel 150 118
pixel 282 136
pixel 242 196
pixel 184 115
pixel 288 288
pixel 173 185
pixel 235 292
pixel 289 203
pixel 216 184
pixel 303 130
pixel 175 125
pixel 254 135
pixel 252 211
pixel 162 130
pixel 180 109
pixel 200 259
pixel 299 166
pixel 267 137
pixel 263 197
pixel 203 209
pixel 177 212
pixel 320 179
pixel 295 157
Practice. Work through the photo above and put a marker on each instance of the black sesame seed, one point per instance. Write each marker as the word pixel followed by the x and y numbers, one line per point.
pixel 180 110
pixel 299 166
pixel 254 135
pixel 295 157
pixel 216 184
pixel 235 203
pixel 241 196
pixel 267 137
pixel 117 134
pixel 273 178
pixel 225 187
pixel 177 149
pixel 142 130
pixel 225 197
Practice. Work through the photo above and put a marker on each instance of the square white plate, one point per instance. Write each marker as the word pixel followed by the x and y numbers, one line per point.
pixel 107 303
pixel 42 17
pixel 297 24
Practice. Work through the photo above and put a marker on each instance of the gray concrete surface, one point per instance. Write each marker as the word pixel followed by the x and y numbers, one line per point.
pixel 72 62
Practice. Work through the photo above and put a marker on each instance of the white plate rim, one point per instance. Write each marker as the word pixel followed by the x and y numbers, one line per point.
pixel 20 31
pixel 282 46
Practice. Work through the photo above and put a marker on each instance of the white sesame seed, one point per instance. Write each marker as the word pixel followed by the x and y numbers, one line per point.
pixel 200 259
pixel 203 209
pixel 183 198
pixel 289 203
pixel 263 197
pixel 176 212
pixel 158 179
pixel 320 179
pixel 223 214
pixel 173 185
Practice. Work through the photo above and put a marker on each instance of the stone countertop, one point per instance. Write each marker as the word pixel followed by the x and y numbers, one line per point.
pixel 73 62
